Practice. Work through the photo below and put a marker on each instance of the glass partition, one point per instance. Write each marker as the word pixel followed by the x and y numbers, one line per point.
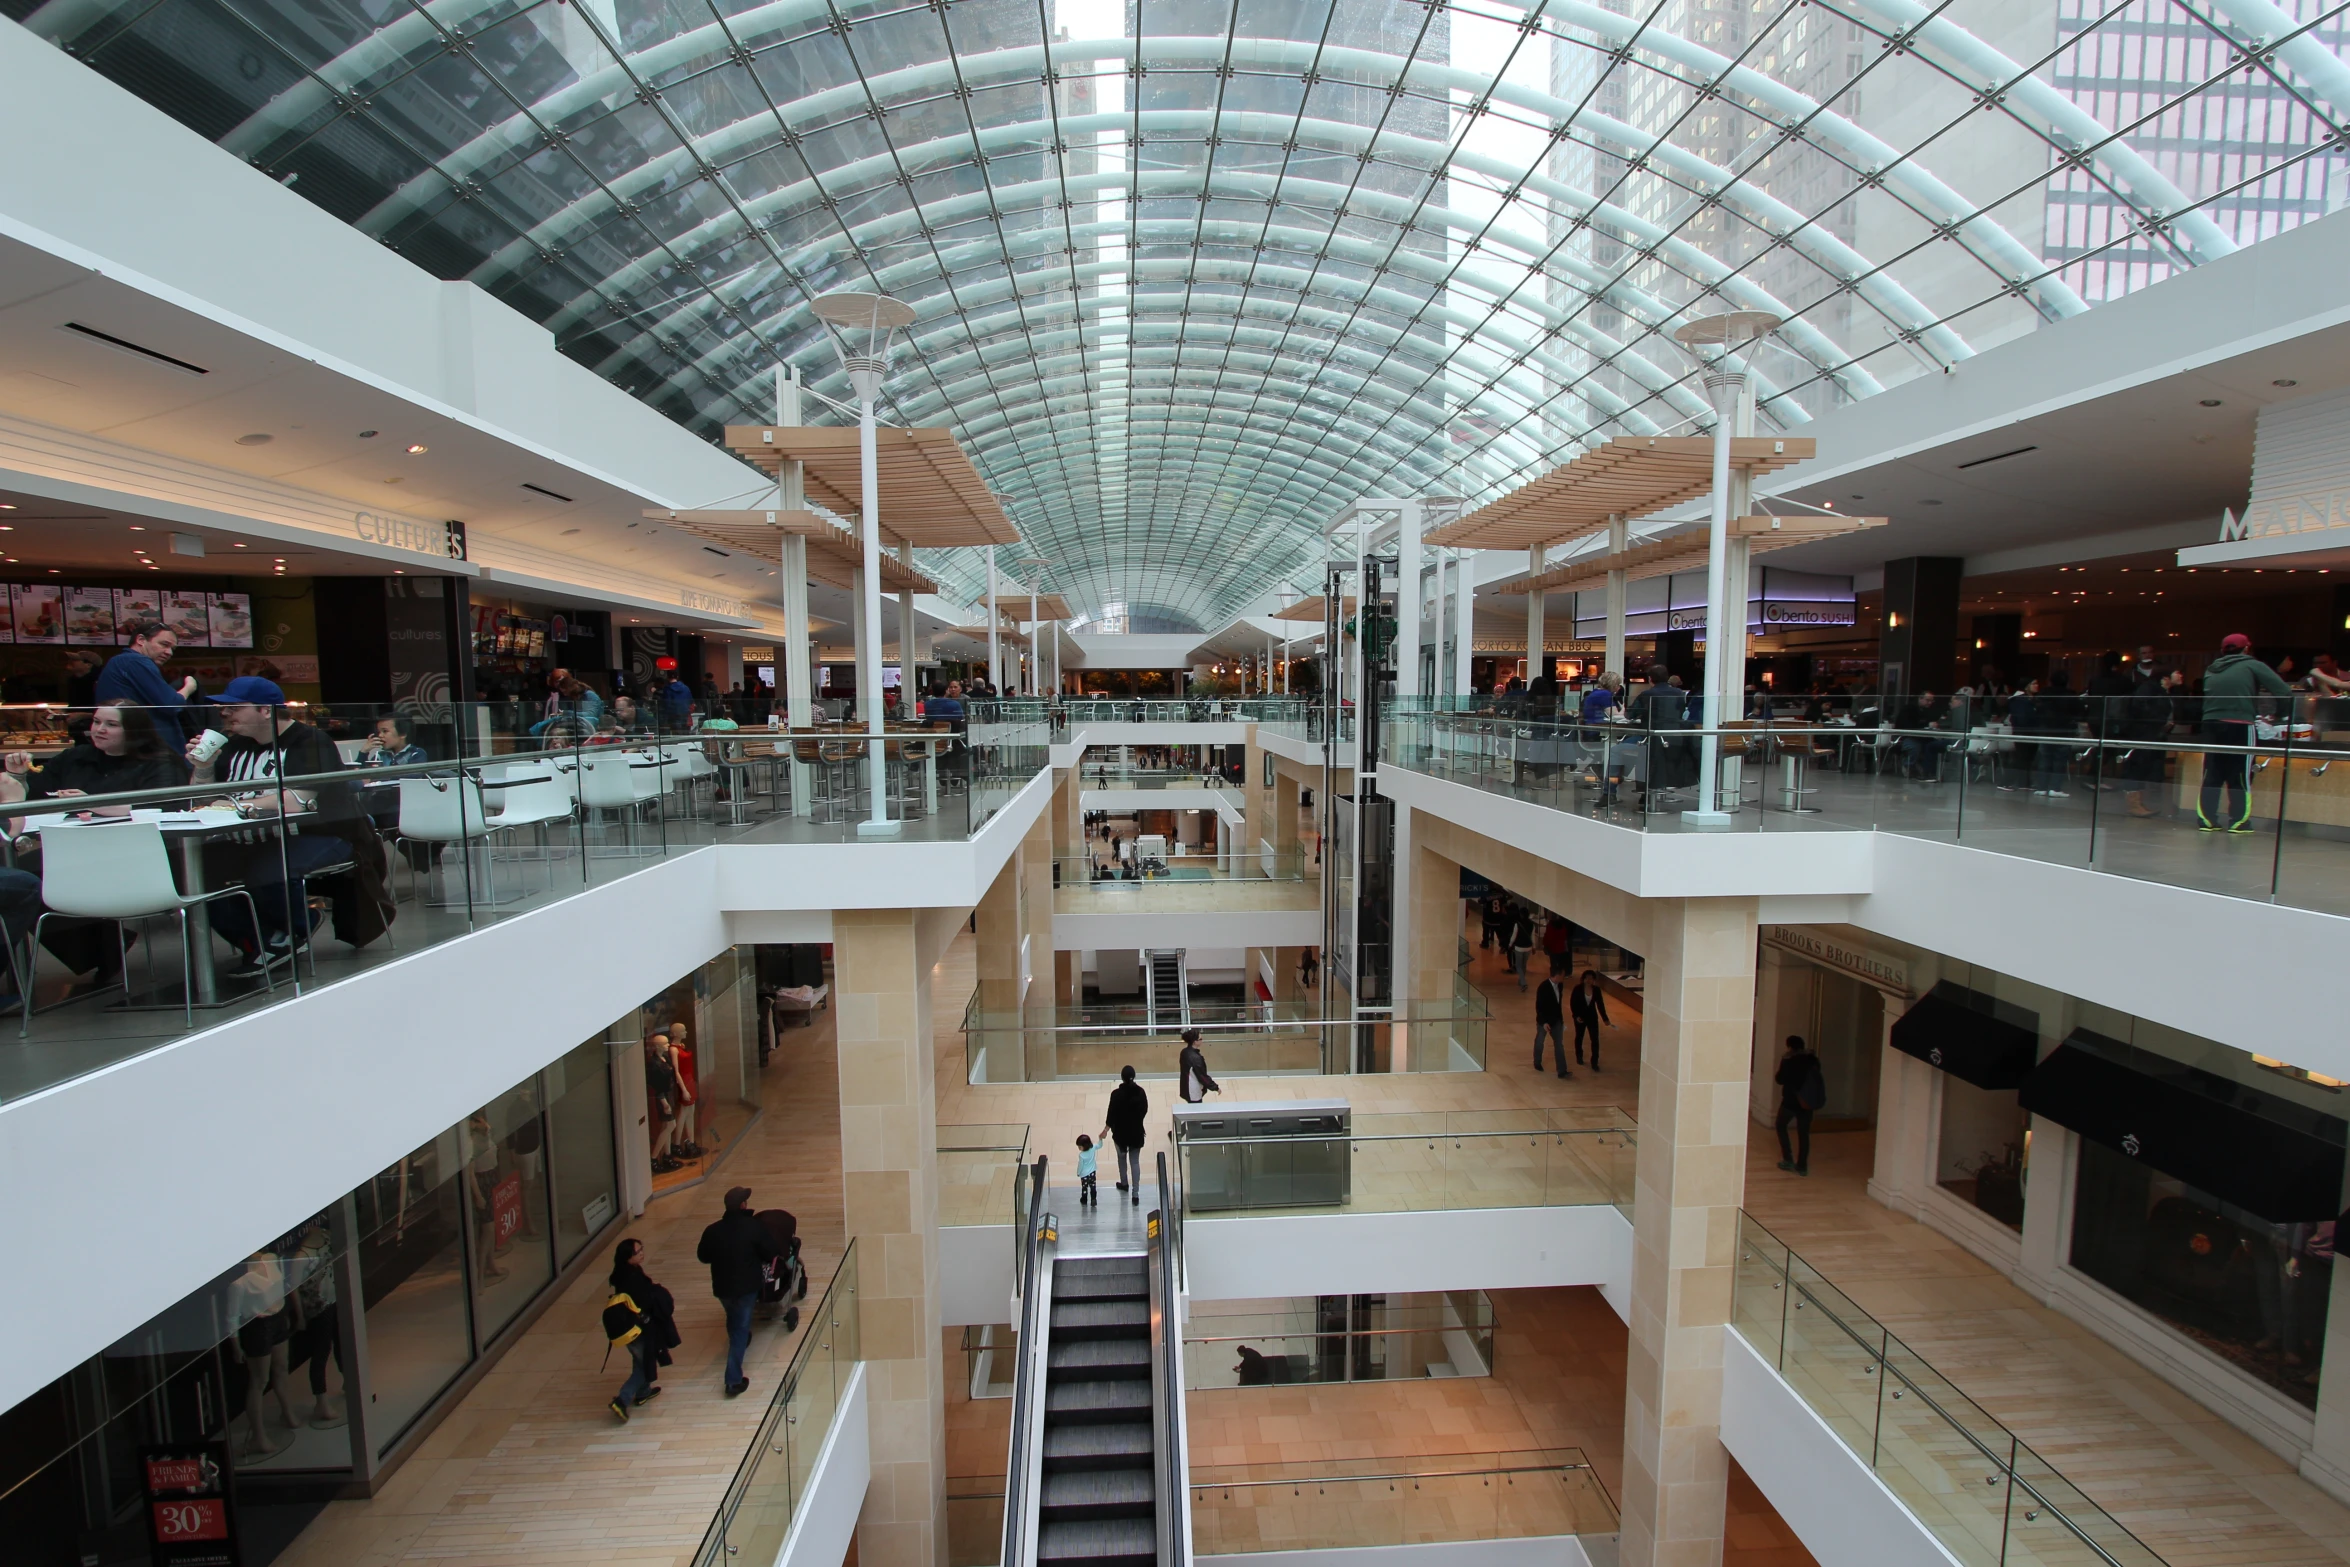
pixel 978 1173
pixel 1338 1338
pixel 504 1149
pixel 2116 784
pixel 412 1264
pixel 1419 1162
pixel 582 1184
pixel 1245 1509
pixel 772 1481
pixel 1987 1497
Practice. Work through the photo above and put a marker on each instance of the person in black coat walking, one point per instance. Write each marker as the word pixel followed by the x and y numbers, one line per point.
pixel 737 1248
pixel 1803 1088
pixel 649 1351
pixel 1550 1022
pixel 1123 1126
pixel 1589 1006
pixel 1193 1079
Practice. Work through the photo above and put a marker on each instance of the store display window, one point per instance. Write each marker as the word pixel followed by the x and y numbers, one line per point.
pixel 412 1272
pixel 584 1191
pixel 1984 1149
pixel 504 1145
pixel 701 1067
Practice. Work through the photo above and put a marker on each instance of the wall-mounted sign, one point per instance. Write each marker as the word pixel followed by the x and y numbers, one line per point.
pixel 443 539
pixel 191 1518
pixel 710 603
pixel 1884 970
pixel 2316 512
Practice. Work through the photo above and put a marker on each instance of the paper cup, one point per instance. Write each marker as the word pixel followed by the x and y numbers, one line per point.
pixel 207 746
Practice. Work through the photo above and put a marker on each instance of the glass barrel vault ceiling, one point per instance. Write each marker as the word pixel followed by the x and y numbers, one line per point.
pixel 1193 275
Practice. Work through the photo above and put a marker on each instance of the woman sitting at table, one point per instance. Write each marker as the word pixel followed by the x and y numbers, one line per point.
pixel 119 752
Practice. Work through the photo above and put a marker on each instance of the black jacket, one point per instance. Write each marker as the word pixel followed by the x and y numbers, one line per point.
pixel 1794 1072
pixel 1129 1105
pixel 736 1247
pixel 651 1299
pixel 1547 1008
pixel 1192 1066
pixel 1589 1006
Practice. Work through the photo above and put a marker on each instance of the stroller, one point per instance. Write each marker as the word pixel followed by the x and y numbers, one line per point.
pixel 783 1282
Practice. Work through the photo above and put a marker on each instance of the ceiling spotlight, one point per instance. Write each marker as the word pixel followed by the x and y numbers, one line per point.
pixel 367 435
pixel 2287 381
pixel 416 449
pixel 568 532
pixel 2211 402
pixel 138 527
pixel 257 438
pixel 235 546
pixel 7 505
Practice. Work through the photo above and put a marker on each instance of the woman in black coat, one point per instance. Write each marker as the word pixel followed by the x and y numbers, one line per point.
pixel 629 1278
pixel 1123 1126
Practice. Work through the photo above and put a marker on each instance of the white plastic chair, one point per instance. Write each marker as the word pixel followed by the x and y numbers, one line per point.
pixel 120 872
pixel 449 810
pixel 619 781
pixel 535 797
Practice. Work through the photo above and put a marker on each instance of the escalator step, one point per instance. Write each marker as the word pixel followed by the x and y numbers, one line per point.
pixel 1072 1494
pixel 1103 1286
pixel 1097 1399
pixel 1097 1358
pixel 1087 1319
pixel 1103 1444
pixel 1133 1540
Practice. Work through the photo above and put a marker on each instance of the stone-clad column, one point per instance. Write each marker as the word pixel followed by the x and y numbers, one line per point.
pixel 889 1182
pixel 998 921
pixel 1690 1177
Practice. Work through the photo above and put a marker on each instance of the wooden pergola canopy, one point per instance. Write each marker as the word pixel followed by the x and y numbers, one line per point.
pixel 1686 550
pixel 834 553
pixel 1631 476
pixel 1015 606
pixel 1308 609
pixel 1005 634
pixel 931 496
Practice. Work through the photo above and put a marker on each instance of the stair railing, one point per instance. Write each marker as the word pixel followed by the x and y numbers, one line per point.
pixel 1024 1471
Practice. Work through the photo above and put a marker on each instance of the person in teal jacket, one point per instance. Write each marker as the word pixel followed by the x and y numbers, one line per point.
pixel 2233 689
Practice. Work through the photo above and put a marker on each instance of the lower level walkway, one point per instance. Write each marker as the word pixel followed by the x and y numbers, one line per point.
pixel 2196 1490
pixel 531 1469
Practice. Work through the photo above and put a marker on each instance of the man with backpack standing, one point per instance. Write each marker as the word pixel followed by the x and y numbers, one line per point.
pixel 1803 1088
pixel 737 1248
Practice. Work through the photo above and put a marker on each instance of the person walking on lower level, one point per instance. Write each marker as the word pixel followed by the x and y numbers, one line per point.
pixel 1550 1022
pixel 737 1248
pixel 2233 685
pixel 1123 1126
pixel 1803 1088
pixel 1194 1081
pixel 1588 1005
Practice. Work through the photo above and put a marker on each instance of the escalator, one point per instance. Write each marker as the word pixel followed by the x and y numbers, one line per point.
pixel 1167 987
pixel 1097 1469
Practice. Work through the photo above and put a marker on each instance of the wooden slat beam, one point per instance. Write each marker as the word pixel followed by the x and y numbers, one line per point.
pixel 1686 550
pixel 834 553
pixel 931 495
pixel 1631 477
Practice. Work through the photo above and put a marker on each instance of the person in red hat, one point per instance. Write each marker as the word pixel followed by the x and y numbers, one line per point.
pixel 2234 688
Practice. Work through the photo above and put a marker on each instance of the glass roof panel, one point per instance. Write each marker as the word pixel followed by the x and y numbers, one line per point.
pixel 1193 275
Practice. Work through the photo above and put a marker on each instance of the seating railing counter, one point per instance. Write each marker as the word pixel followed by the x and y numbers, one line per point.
pixel 2116 784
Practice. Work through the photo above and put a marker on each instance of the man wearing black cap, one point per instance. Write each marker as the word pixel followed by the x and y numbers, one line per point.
pixel 267 744
pixel 737 1247
pixel 2233 685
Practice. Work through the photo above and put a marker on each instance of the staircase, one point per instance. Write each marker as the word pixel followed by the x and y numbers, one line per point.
pixel 1099 1496
pixel 1168 986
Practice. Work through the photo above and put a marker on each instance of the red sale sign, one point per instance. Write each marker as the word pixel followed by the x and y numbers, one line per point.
pixel 506 1209
pixel 206 1518
pixel 191 1516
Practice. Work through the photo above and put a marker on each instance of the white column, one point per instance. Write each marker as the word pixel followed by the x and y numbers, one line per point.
pixel 1464 618
pixel 1619 588
pixel 1534 629
pixel 908 653
pixel 799 686
pixel 1408 602
pixel 995 666
pixel 869 634
pixel 1736 572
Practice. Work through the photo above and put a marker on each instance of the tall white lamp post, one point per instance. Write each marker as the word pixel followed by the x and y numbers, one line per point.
pixel 1730 334
pixel 863 325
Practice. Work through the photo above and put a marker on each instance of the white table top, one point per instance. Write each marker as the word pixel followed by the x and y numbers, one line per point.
pixel 208 819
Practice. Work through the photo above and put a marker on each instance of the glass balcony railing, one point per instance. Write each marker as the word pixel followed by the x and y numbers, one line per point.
pixel 1986 1496
pixel 1244 1509
pixel 1386 1338
pixel 2121 785
pixel 771 1485
pixel 314 842
pixel 1243 881
pixel 1418 1162
pixel 1242 1039
pixel 978 1170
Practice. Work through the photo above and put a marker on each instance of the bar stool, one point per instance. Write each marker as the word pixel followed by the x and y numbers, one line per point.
pixel 1795 754
pixel 837 763
pixel 917 788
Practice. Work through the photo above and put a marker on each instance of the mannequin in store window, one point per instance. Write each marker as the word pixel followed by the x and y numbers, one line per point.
pixel 263 1316
pixel 687 1144
pixel 481 1184
pixel 310 1275
pixel 661 1101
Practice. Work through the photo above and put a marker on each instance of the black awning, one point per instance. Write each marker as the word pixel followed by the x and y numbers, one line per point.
pixel 1970 1034
pixel 2267 1155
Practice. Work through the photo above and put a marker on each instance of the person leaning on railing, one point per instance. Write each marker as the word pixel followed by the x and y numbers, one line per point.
pixel 119 751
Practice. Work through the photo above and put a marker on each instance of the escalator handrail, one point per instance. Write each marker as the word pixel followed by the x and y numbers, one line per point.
pixel 1019 1539
pixel 1173 1480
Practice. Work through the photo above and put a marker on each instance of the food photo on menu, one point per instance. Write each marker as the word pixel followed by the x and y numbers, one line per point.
pixel 137 604
pixel 39 612
pixel 188 617
pixel 89 616
pixel 232 619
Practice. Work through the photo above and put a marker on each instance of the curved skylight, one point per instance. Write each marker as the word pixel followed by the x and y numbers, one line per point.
pixel 1194 275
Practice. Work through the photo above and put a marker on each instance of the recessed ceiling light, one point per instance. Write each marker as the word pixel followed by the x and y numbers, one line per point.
pixel 2288 381
pixel 280 559
pixel 567 533
pixel 1929 503
pixel 368 435
pixel 236 546
pixel 7 505
pixel 138 527
pixel 399 572
pixel 55 571
pixel 2211 402
pixel 416 449
pixel 257 438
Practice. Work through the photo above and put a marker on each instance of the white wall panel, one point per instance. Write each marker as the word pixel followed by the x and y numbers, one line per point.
pixel 1343 1253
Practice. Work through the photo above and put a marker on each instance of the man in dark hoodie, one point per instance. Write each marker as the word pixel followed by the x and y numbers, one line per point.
pixel 2233 685
pixel 1123 1126
pixel 736 1248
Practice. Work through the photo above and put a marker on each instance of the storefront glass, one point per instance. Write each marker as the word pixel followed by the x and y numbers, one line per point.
pixel 2252 1292
pixel 702 1085
pixel 412 1274
pixel 1983 1150
pixel 505 1150
pixel 579 1126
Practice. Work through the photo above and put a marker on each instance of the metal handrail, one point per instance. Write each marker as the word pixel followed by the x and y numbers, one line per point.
pixel 1019 1543
pixel 1173 1488
pixel 1470 1471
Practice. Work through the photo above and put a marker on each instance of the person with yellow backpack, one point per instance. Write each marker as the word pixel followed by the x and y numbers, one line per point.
pixel 639 1318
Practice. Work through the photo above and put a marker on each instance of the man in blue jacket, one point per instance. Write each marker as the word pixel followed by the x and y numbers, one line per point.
pixel 135 676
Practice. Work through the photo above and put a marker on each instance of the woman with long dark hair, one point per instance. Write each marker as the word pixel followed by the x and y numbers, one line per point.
pixel 649 1350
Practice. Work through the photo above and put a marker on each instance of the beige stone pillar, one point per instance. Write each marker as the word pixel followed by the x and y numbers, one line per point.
pixel 1284 836
pixel 889 1185
pixel 1067 814
pixel 999 919
pixel 1435 891
pixel 1035 861
pixel 1258 801
pixel 1696 1034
